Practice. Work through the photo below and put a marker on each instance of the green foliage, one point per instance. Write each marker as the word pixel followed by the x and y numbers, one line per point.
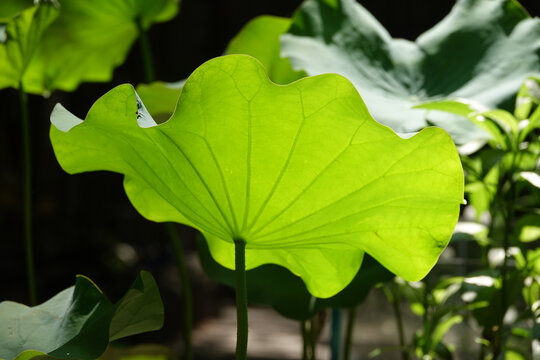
pixel 78 322
pixel 501 182
pixel 286 293
pixel 23 35
pixel 301 173
pixel 483 50
pixel 85 42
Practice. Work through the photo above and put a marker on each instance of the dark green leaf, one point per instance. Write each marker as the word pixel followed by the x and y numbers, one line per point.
pixel 483 50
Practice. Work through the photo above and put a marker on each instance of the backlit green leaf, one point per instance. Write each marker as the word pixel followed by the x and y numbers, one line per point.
pixel 23 35
pixel 483 50
pixel 87 41
pixel 301 172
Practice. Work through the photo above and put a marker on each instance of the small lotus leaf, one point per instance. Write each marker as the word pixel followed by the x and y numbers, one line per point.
pixel 75 324
pixel 300 172
pixel 483 50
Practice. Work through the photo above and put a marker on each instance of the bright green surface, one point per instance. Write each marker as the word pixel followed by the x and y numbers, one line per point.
pixel 75 324
pixel 483 50
pixel 85 43
pixel 260 39
pixel 301 172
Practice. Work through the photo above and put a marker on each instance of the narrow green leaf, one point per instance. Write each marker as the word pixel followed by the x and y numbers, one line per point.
pixel 301 172
pixel 474 112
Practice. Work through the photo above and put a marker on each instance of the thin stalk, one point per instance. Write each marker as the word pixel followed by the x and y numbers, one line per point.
pixel 241 299
pixel 305 341
pixel 313 336
pixel 508 217
pixel 396 299
pixel 187 298
pixel 27 194
pixel 351 320
pixel 335 341
pixel 148 62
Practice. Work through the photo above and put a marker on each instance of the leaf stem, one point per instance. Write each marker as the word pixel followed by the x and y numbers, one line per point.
pixel 27 194
pixel 509 218
pixel 146 52
pixel 396 300
pixel 241 299
pixel 351 320
pixel 187 297
pixel 335 341
pixel 305 340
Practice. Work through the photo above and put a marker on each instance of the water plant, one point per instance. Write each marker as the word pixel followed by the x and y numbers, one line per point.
pixel 259 180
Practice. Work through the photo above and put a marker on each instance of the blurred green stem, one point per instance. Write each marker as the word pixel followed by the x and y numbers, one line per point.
pixel 305 340
pixel 241 299
pixel 27 160
pixel 399 321
pixel 149 69
pixel 335 341
pixel 187 298
pixel 508 229
pixel 351 320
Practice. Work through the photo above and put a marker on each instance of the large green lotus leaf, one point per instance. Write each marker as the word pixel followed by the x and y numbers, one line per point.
pixel 300 172
pixel 285 292
pixel 260 39
pixel 75 323
pixel 87 41
pixel 483 50
pixel 22 36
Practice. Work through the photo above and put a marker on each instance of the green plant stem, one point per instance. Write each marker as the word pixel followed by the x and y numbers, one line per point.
pixel 313 337
pixel 241 299
pixel 396 300
pixel 186 284
pixel 27 160
pixel 335 341
pixel 509 218
pixel 146 51
pixel 351 320
pixel 305 340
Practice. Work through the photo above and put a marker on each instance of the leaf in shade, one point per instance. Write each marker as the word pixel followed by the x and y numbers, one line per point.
pixel 483 50
pixel 300 172
pixel 140 310
pixel 75 323
pixel 285 292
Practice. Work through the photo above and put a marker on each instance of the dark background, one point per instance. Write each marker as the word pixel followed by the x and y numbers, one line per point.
pixel 84 223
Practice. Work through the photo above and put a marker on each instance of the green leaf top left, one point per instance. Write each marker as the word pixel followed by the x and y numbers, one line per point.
pixel 82 41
